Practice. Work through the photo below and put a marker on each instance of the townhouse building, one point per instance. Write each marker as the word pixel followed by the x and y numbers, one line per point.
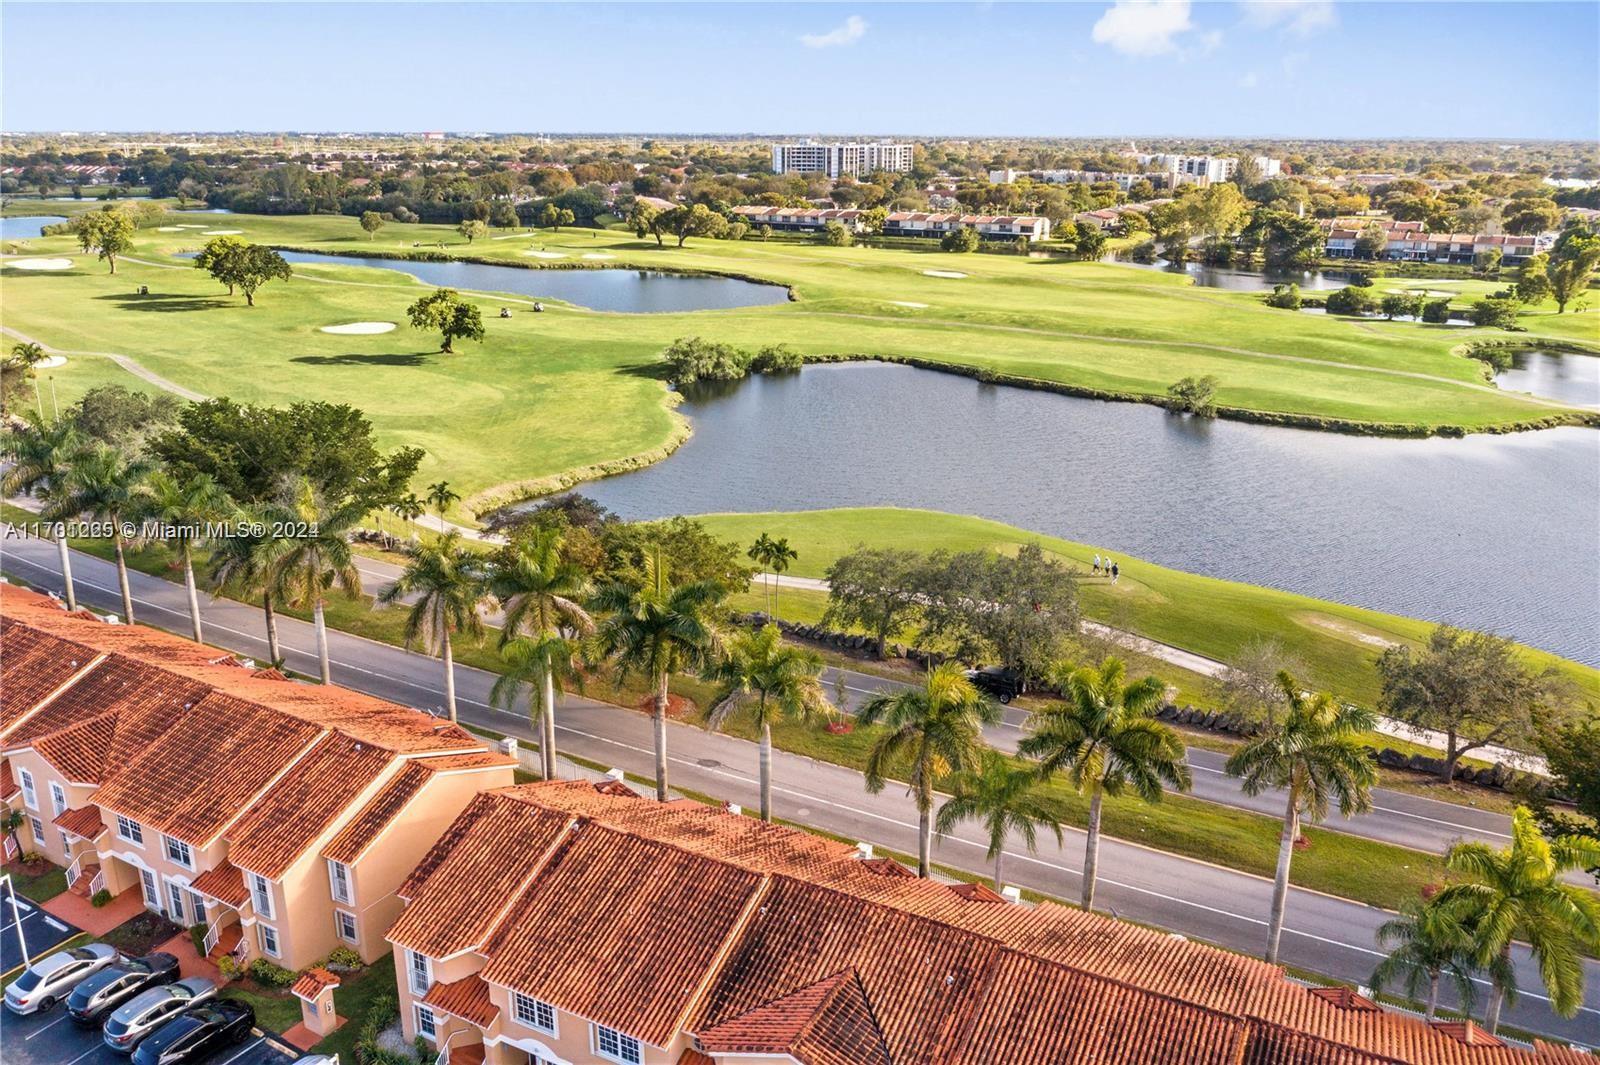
pixel 799 219
pixel 572 922
pixel 281 816
pixel 1411 242
pixel 990 227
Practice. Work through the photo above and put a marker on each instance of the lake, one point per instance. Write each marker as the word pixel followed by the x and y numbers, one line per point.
pixel 24 227
pixel 600 289
pixel 1243 280
pixel 1571 378
pixel 1493 532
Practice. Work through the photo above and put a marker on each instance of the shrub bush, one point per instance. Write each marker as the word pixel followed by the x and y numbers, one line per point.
pixel 1350 300
pixel 197 934
pixel 100 898
pixel 959 240
pixel 776 358
pixel 228 968
pixel 1194 395
pixel 1496 313
pixel 1436 312
pixel 1284 297
pixel 692 359
pixel 268 974
pixel 835 235
pixel 343 958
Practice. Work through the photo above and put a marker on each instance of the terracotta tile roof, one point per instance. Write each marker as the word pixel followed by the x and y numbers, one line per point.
pixel 829 1022
pixel 8 781
pixel 84 822
pixel 1346 998
pixel 691 1056
pixel 381 810
pixel 313 982
pixel 225 883
pixel 32 665
pixel 467 998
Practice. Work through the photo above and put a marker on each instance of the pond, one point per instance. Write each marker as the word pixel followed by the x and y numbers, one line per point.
pixel 1570 377
pixel 601 289
pixel 24 227
pixel 1244 280
pixel 1494 532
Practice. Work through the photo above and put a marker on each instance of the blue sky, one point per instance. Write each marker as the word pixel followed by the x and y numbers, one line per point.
pixel 1130 68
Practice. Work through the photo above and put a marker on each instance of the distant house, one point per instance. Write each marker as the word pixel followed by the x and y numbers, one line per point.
pixel 657 202
pixel 1411 242
pixel 990 227
pixel 800 219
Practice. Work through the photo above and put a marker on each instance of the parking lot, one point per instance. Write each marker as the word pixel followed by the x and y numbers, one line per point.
pixel 42 931
pixel 52 1039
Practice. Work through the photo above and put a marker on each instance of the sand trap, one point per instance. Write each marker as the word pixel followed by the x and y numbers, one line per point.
pixel 222 232
pixel 944 273
pixel 597 255
pixel 1347 629
pixel 41 264
pixel 546 254
pixel 516 236
pixel 1432 293
pixel 358 328
pixel 169 229
pixel 908 303
pixel 50 362
pixel 189 226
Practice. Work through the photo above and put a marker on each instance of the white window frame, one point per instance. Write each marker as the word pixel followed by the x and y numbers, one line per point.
pixel 174 902
pixel 30 791
pixel 339 919
pixel 623 1042
pixel 526 1010
pixel 339 885
pixel 130 831
pixel 58 798
pixel 260 894
pixel 38 831
pixel 170 844
pixel 427 1024
pixel 419 977
pixel 267 936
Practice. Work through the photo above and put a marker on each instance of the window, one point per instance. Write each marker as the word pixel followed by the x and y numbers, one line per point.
pixel 58 799
pixel 421 970
pixel 534 1013
pixel 269 939
pixel 339 881
pixel 66 841
pixel 179 853
pixel 30 794
pixel 131 831
pixel 175 902
pixel 426 1027
pixel 38 830
pixel 345 924
pixel 614 1046
pixel 260 894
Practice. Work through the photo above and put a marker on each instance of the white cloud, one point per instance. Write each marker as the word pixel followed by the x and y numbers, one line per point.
pixel 849 31
pixel 1210 41
pixel 1249 80
pixel 1300 18
pixel 1143 27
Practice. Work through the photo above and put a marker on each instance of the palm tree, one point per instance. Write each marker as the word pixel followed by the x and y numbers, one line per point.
pixel 1313 752
pixel 40 456
pixel 248 563
pixel 450 584
pixel 27 354
pixel 1518 894
pixel 760 551
pixel 657 628
pixel 778 558
pixel 440 497
pixel 776 680
pixel 935 730
pixel 102 484
pixel 1430 945
pixel 1007 798
pixel 540 591
pixel 177 511
pixel 408 508
pixel 1105 739
pixel 318 559
pixel 542 666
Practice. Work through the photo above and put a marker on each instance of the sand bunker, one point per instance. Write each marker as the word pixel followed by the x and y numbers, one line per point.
pixel 50 362
pixel 358 328
pixel 222 232
pixel 908 303
pixel 597 255
pixel 191 225
pixel 41 264
pixel 944 273
pixel 169 229
pixel 546 254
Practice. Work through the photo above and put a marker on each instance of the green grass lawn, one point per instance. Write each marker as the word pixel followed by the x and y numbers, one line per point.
pixel 352 1000
pixel 40 887
pixel 572 389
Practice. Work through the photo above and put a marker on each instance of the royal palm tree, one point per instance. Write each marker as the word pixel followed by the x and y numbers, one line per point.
pixel 1518 894
pixel 40 456
pixel 931 731
pixel 408 508
pixel 450 584
pixel 440 497
pixel 317 559
pixel 655 628
pixel 778 558
pixel 541 592
pixel 1315 754
pixel 1105 739
pixel 1007 798
pixel 177 511
pixel 775 680
pixel 760 550
pixel 102 484
pixel 542 667
pixel 247 562
pixel 1430 945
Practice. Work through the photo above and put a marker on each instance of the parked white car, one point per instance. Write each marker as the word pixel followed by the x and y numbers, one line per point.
pixel 151 1009
pixel 52 978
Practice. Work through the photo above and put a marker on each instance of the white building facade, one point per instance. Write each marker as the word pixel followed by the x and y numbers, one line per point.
pixel 836 160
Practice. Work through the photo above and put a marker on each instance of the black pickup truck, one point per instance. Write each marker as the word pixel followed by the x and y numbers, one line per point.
pixel 1001 683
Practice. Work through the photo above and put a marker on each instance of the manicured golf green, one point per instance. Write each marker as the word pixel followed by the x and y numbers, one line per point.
pixel 573 389
pixel 1210 617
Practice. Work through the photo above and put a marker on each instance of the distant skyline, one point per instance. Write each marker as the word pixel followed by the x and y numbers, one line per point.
pixel 1151 68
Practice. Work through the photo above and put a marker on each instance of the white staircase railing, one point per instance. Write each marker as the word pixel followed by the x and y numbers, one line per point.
pixel 75 870
pixel 213 934
pixel 98 884
pixel 11 847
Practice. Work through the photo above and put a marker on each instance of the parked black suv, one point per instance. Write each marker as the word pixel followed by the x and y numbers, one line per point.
pixel 1001 683
pixel 92 1001
pixel 197 1033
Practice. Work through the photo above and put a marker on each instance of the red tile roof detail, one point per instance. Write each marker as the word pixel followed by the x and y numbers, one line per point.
pixel 976 893
pixel 1346 998
pixel 887 867
pixel 377 814
pixel 8 782
pixel 829 1022
pixel 84 822
pixel 313 982
pixel 1467 1032
pixel 467 998
pixel 225 883
pixel 691 1056
pixel 32 665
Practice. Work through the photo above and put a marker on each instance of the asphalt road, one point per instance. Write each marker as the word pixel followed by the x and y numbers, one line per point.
pixel 1323 934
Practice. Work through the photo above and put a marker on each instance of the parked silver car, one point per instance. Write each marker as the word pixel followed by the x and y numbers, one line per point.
pixel 151 1009
pixel 52 978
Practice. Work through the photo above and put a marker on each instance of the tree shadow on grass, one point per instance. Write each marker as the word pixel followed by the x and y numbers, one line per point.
pixel 358 359
pixel 167 302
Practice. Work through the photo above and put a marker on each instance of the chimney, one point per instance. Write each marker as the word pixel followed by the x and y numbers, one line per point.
pixel 863 851
pixel 733 808
pixel 508 746
pixel 1011 893
pixel 615 774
